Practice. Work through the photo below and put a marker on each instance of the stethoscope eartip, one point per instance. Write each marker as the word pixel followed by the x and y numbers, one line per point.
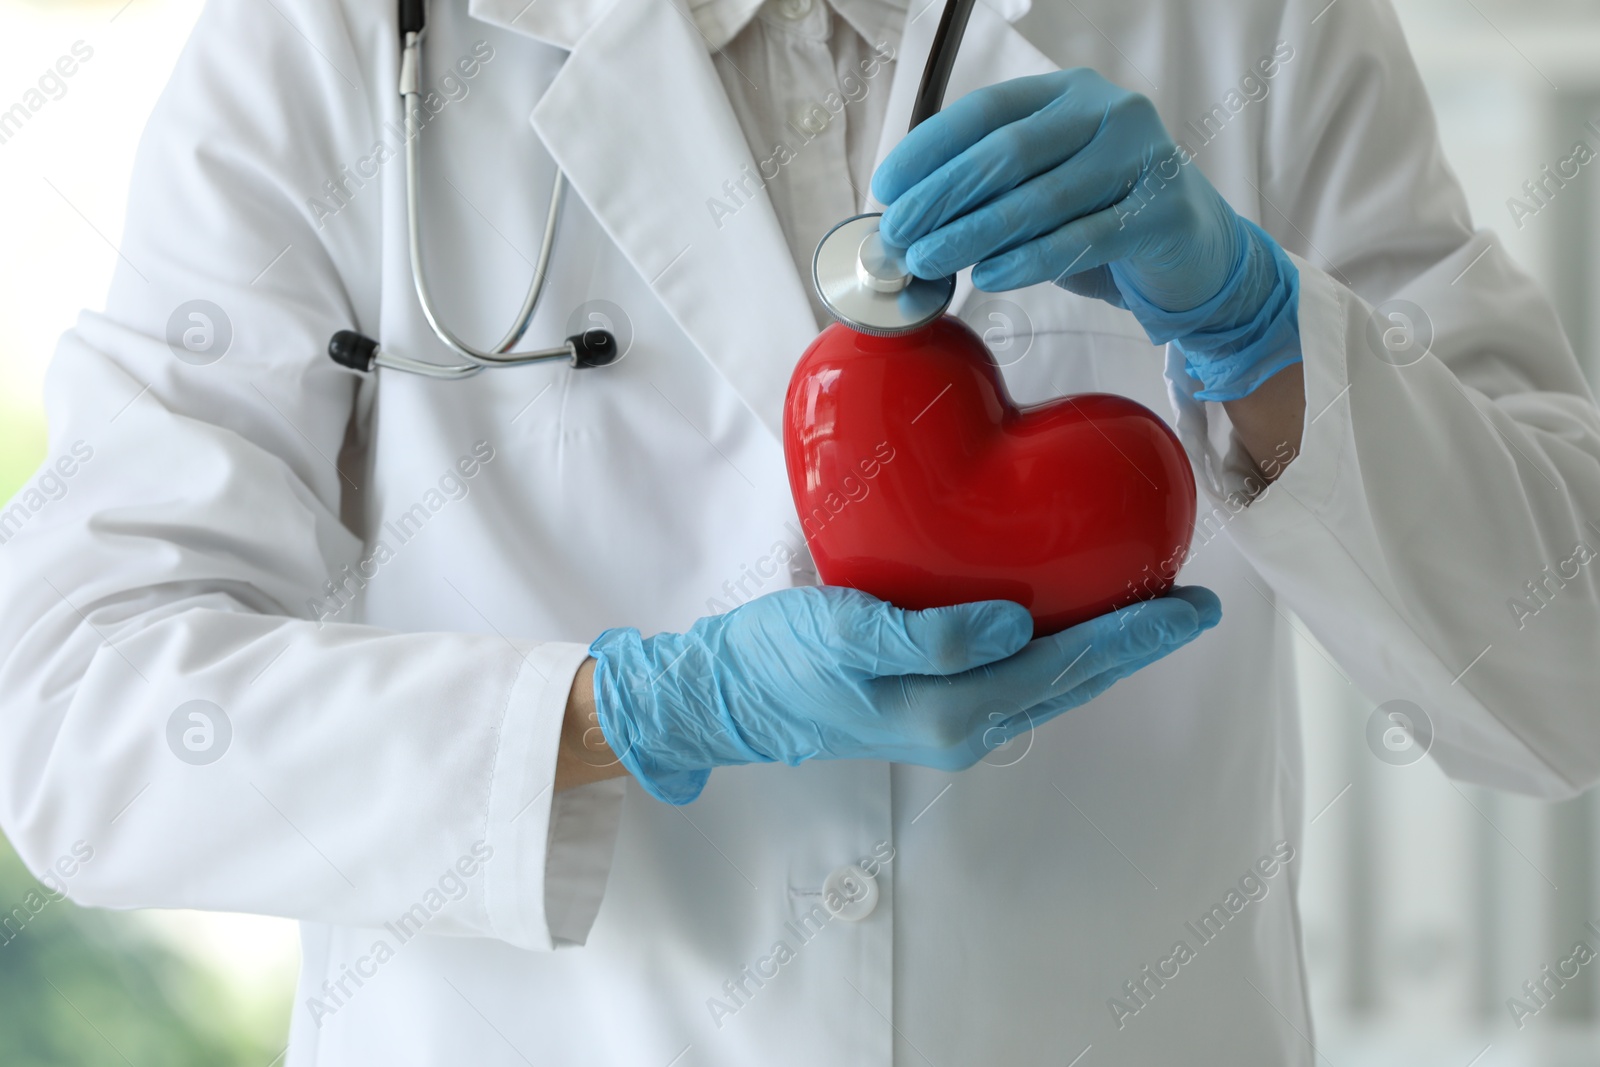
pixel 593 348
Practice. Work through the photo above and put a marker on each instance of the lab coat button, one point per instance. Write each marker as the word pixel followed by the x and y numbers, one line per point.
pixel 794 10
pixel 850 893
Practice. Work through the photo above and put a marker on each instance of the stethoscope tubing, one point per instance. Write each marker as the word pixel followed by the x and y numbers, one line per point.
pixel 501 355
pixel 941 61
pixel 594 348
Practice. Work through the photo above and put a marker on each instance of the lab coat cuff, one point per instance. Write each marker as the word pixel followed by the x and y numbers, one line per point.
pixel 552 852
pixel 1227 476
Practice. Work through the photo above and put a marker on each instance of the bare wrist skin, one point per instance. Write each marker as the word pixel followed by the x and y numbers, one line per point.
pixel 584 756
pixel 1270 421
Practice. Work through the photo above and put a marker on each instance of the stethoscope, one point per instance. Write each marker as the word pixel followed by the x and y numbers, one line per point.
pixel 862 282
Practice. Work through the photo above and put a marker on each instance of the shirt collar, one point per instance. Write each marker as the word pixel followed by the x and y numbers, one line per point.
pixel 876 21
pixel 720 21
pixel 563 22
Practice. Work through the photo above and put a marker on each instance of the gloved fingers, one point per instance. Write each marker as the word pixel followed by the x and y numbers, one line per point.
pixel 1092 241
pixel 1205 603
pixel 1005 159
pixel 957 128
pixel 1103 681
pixel 886 641
pixel 1040 714
pixel 1052 666
pixel 1096 284
pixel 1208 613
pixel 1145 628
pixel 1082 185
pixel 981 710
pixel 1122 637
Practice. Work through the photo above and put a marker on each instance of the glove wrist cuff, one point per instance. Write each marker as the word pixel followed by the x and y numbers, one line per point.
pixel 1246 333
pixel 622 720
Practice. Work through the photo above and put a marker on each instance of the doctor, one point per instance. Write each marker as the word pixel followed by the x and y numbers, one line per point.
pixel 375 652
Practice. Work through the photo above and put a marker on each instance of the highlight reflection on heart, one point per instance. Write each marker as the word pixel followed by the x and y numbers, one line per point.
pixel 918 480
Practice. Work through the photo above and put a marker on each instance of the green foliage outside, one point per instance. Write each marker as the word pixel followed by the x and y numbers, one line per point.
pixel 83 987
pixel 22 444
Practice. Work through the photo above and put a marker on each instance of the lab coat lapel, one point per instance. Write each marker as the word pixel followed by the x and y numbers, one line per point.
pixel 992 51
pixel 640 122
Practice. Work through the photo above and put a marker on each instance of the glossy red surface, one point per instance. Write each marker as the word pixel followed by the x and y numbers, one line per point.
pixel 918 480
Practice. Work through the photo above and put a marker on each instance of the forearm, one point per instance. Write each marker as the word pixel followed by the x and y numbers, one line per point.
pixel 1269 422
pixel 1431 530
pixel 584 756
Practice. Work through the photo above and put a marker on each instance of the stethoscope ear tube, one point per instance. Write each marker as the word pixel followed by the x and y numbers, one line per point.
pixel 348 348
pixel 941 60
pixel 413 17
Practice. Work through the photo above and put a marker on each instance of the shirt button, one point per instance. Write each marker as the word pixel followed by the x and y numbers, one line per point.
pixel 850 893
pixel 810 117
pixel 794 10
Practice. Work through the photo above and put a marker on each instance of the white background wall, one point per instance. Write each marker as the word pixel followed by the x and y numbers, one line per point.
pixel 1426 905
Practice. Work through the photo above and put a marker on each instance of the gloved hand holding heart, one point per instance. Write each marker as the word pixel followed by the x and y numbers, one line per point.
pixel 916 477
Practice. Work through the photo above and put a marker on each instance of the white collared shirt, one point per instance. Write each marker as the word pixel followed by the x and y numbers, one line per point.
pixel 809 83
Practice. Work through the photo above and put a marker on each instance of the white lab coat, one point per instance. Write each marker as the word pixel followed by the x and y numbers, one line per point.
pixel 401 753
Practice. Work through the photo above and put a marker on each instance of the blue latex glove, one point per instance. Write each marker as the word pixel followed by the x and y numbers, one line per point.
pixel 1067 178
pixel 831 673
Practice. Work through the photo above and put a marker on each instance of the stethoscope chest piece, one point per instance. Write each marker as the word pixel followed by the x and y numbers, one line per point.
pixel 864 283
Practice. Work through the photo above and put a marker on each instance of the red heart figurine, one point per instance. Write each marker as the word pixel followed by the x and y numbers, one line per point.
pixel 919 480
